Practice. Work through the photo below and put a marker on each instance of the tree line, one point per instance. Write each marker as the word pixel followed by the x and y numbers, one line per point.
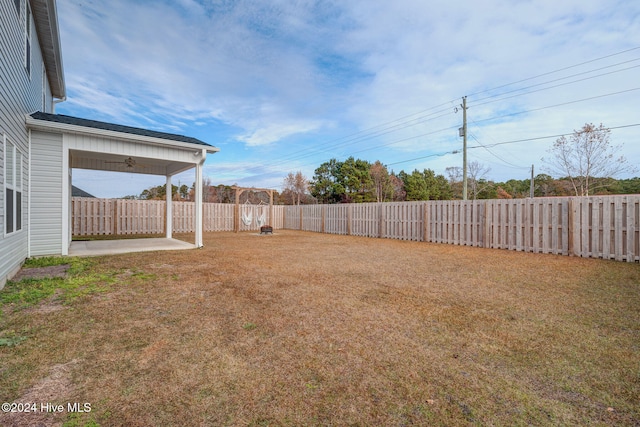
pixel 389 186
pixel 356 181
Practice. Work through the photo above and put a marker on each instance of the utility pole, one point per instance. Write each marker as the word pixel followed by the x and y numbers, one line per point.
pixel 464 148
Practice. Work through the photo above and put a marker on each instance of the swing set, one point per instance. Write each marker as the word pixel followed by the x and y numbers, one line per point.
pixel 245 213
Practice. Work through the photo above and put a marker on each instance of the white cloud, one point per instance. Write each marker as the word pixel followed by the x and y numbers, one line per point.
pixel 306 73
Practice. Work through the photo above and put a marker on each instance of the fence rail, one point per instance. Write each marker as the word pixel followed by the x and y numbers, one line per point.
pixel 599 227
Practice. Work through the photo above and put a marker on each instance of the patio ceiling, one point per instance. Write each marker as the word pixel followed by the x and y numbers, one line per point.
pixel 128 163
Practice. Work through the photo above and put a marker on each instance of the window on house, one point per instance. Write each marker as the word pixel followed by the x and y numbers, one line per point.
pixel 13 188
pixel 17 2
pixel 27 60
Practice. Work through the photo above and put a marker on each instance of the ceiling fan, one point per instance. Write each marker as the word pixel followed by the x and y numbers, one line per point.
pixel 130 162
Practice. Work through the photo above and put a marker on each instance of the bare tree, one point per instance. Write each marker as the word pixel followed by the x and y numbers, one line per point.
pixel 477 171
pixel 381 181
pixel 587 154
pixel 454 176
pixel 397 186
pixel 297 185
pixel 206 189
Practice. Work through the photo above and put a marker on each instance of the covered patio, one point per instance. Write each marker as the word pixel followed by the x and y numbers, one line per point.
pixel 61 143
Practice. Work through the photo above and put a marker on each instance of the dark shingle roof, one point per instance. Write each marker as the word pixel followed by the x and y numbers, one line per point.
pixel 69 120
pixel 78 192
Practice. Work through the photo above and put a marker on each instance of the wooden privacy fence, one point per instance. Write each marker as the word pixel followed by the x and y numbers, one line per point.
pixel 599 227
pixel 91 217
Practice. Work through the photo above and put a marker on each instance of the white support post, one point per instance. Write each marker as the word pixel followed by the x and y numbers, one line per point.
pixel 199 206
pixel 169 209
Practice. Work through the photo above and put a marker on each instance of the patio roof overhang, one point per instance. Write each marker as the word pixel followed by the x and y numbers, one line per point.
pixel 129 149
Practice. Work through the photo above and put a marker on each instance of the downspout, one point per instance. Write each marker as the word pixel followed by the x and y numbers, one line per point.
pixel 57 101
pixel 29 200
pixel 66 199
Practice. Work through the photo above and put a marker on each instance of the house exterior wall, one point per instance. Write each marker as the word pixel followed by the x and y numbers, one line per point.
pixel 23 91
pixel 46 193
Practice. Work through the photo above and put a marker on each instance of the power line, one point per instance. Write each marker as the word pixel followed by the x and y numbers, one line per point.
pixel 545 137
pixel 556 71
pixel 406 139
pixel 365 135
pixel 551 87
pixel 486 147
pixel 496 117
pixel 509 164
pixel 499 143
pixel 559 105
pixel 424 157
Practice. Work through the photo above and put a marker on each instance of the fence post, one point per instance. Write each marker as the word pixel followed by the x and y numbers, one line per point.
pixel 115 217
pixel 349 217
pixel 619 228
pixel 574 231
pixel 380 220
pixel 584 228
pixel 486 227
pixel 236 213
pixel 631 229
pixel 284 217
pixel 301 218
pixel 323 215
pixel 426 219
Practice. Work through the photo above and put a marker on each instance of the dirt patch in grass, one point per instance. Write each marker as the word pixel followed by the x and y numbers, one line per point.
pixel 52 303
pixel 311 329
pixel 42 272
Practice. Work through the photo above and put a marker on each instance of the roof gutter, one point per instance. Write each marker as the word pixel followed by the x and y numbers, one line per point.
pixel 55 102
pixel 47 29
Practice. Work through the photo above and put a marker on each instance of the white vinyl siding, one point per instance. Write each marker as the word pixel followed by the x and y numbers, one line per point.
pixel 21 94
pixel 27 40
pixel 46 194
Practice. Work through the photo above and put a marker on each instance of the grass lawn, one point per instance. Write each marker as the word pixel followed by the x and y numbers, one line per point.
pixel 305 329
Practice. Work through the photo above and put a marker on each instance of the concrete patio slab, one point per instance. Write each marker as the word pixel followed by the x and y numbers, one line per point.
pixel 110 247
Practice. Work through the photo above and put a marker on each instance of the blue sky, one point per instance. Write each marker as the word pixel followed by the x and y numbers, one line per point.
pixel 284 85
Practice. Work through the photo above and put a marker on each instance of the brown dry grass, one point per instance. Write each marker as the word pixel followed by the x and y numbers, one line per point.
pixel 311 329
